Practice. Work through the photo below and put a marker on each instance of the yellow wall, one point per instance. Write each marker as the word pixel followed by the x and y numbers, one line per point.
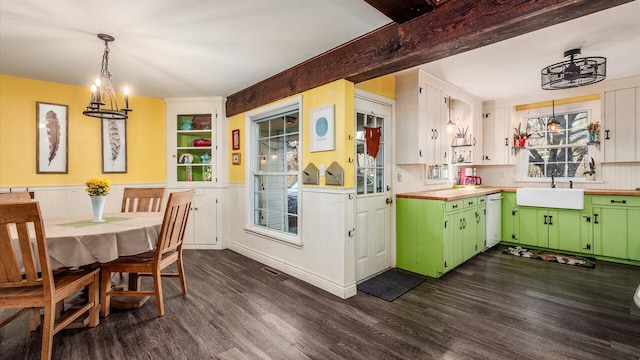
pixel 146 136
pixel 340 93
pixel 384 86
pixel 558 102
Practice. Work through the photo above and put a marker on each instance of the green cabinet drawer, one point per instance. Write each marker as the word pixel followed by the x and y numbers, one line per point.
pixel 631 201
pixel 455 205
pixel 470 202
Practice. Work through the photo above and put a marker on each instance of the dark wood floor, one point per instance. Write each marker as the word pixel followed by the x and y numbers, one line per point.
pixel 495 306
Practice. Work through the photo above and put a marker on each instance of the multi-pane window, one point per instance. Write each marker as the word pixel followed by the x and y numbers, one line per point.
pixel 276 171
pixel 563 153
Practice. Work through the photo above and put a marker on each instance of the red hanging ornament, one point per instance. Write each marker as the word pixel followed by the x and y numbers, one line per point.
pixel 372 137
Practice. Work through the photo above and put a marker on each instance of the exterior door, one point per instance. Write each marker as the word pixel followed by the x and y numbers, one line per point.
pixel 373 186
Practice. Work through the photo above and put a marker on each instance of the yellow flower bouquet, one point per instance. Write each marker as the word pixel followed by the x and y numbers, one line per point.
pixel 98 186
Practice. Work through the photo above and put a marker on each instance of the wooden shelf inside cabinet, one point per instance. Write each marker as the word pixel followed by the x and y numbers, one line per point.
pixel 458 146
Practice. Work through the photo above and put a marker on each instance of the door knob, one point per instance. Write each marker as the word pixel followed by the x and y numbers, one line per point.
pixel 389 200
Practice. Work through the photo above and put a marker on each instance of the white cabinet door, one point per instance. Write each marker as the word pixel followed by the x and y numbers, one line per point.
pixel 203 224
pixel 411 131
pixel 621 133
pixel 496 140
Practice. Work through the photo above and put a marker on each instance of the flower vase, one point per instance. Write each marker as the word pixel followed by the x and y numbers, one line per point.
pixel 97 203
pixel 460 141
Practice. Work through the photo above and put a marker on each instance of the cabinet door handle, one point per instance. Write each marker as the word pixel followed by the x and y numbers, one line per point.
pixel 618 201
pixel 595 219
pixel 464 221
pixel 455 206
pixel 460 224
pixel 436 130
pixel 550 220
pixel 506 141
pixel 420 153
pixel 474 141
pixel 545 219
pixel 607 136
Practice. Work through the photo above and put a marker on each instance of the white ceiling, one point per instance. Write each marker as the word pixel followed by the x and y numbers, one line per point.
pixel 168 48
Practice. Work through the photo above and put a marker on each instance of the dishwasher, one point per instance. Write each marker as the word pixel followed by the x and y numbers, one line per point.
pixel 493 225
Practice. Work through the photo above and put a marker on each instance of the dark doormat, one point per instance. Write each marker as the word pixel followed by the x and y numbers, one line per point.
pixel 391 284
pixel 556 257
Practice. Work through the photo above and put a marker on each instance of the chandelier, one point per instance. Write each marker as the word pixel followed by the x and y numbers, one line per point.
pixel 103 102
pixel 574 72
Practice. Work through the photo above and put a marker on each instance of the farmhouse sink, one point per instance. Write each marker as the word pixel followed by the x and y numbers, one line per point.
pixel 551 198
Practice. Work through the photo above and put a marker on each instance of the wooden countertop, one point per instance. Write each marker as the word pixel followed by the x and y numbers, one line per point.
pixel 456 194
pixel 449 194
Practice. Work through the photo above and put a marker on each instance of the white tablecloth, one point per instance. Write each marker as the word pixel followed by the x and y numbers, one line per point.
pixel 74 241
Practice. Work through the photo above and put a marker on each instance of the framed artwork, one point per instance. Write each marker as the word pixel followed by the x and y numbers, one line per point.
pixel 235 139
pixel 322 129
pixel 235 158
pixel 114 146
pixel 52 145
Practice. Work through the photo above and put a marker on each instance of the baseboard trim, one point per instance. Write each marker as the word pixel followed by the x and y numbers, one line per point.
pixel 331 287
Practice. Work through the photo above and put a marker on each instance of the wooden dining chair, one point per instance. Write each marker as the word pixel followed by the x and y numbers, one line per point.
pixel 142 199
pixel 36 286
pixel 168 251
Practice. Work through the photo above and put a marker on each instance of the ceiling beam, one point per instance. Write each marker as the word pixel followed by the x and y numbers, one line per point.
pixel 454 27
pixel 403 11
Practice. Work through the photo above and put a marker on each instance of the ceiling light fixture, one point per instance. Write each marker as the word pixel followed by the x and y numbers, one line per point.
pixel 553 125
pixel 451 126
pixel 103 102
pixel 574 72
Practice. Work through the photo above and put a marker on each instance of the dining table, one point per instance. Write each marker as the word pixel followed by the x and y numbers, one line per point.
pixel 78 241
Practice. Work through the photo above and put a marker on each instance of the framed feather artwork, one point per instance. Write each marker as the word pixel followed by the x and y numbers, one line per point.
pixel 52 126
pixel 114 146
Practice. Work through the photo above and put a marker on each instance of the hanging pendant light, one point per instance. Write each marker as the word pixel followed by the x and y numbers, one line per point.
pixel 553 125
pixel 574 72
pixel 451 126
pixel 103 102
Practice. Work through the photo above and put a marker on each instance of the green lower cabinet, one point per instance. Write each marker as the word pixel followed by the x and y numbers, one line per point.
pixel 532 230
pixel 569 231
pixel 508 206
pixel 633 243
pixel 433 237
pixel 406 225
pixel 558 229
pixel 616 232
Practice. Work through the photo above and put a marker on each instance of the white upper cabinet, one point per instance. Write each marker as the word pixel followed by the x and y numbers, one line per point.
pixel 411 126
pixel 497 138
pixel 621 131
pixel 424 104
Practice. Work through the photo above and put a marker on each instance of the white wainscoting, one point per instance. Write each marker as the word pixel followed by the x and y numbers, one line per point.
pixel 326 258
pixel 64 201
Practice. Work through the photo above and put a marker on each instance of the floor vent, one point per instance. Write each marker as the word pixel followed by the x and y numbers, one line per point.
pixel 271 271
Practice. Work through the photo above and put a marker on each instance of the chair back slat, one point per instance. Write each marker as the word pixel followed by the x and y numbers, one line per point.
pixel 174 222
pixel 26 220
pixel 142 199
pixel 15 196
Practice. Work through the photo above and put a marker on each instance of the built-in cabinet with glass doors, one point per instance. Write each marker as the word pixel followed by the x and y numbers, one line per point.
pixel 195 137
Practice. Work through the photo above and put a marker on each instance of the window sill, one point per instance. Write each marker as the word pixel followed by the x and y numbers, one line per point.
pixel 276 236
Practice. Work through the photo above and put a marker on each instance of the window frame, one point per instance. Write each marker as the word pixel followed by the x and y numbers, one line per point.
pixel 252 166
pixel 591 107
